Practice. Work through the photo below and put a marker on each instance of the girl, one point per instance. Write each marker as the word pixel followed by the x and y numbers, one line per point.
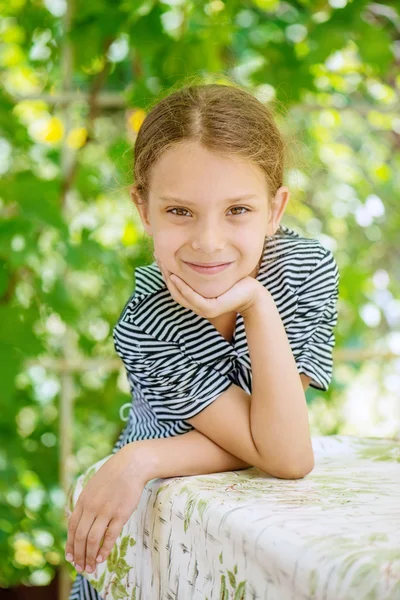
pixel 226 328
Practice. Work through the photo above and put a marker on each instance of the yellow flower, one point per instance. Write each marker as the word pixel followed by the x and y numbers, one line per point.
pixel 77 137
pixel 130 235
pixel 53 131
pixel 136 119
pixel 27 554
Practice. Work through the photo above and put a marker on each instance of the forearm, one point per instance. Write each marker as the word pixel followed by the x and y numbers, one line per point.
pixel 278 409
pixel 191 453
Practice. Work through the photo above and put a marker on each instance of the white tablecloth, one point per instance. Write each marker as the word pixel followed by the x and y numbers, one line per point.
pixel 334 535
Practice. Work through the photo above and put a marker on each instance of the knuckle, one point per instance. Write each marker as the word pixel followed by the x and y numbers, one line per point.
pixel 80 537
pixel 120 514
pixel 89 510
pixel 108 537
pixel 92 538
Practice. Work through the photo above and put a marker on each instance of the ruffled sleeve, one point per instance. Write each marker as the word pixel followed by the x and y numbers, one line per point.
pixel 311 333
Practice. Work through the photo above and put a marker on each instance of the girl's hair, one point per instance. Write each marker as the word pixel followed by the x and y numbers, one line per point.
pixel 224 119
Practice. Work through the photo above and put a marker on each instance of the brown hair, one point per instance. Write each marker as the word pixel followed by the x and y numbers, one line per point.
pixel 224 119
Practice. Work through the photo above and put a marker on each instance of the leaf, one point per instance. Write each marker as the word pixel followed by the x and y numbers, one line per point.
pixel 112 559
pixel 118 591
pixel 240 593
pixel 122 569
pixel 223 591
pixel 232 579
pixel 124 545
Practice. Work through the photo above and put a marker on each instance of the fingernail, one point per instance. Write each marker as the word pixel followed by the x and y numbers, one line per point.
pixel 99 558
pixel 78 568
pixel 69 557
pixel 88 569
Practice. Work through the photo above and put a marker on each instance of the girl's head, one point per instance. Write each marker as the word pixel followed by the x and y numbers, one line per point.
pixel 208 168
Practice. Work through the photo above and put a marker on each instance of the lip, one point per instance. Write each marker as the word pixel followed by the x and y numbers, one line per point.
pixel 208 270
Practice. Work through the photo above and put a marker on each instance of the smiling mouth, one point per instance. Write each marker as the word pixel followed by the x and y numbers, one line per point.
pixel 208 270
pixel 207 264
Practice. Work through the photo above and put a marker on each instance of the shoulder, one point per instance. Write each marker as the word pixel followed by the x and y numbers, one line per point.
pixel 150 312
pixel 148 283
pixel 294 261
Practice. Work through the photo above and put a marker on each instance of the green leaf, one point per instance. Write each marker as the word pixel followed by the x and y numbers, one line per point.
pixel 223 591
pixel 124 545
pixel 118 590
pixel 112 559
pixel 240 593
pixel 232 579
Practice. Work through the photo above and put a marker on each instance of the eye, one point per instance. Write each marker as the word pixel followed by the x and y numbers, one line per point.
pixel 184 209
pixel 238 214
pixel 177 208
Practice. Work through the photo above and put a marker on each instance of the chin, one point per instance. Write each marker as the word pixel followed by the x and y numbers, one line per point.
pixel 210 289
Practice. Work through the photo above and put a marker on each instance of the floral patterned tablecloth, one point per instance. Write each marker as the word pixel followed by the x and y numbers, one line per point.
pixel 333 535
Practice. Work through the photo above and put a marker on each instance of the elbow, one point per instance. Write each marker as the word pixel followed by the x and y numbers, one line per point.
pixel 294 472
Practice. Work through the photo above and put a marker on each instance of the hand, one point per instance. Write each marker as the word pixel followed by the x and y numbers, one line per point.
pixel 103 507
pixel 240 297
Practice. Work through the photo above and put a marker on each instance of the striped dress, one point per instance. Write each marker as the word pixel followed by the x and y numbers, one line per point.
pixel 177 362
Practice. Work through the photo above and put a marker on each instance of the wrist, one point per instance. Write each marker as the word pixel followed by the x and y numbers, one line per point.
pixel 143 463
pixel 260 300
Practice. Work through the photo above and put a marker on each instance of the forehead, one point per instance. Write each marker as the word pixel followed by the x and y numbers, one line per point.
pixel 191 173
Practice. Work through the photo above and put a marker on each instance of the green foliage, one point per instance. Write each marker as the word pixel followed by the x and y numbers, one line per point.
pixel 67 259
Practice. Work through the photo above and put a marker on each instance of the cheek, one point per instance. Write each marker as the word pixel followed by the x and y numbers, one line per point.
pixel 166 248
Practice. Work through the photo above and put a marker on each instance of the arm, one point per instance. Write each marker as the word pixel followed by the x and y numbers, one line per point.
pixel 183 455
pixel 188 454
pixel 278 411
pixel 268 429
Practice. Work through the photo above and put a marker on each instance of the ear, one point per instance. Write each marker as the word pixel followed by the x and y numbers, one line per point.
pixel 142 208
pixel 278 209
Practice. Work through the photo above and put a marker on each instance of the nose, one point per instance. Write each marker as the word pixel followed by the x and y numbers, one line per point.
pixel 208 238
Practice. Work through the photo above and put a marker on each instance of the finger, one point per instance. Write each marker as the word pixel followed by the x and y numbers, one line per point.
pixel 72 525
pixel 114 529
pixel 188 294
pixel 80 541
pixel 177 289
pixel 94 538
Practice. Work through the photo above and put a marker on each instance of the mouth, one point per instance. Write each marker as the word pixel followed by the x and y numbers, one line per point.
pixel 208 269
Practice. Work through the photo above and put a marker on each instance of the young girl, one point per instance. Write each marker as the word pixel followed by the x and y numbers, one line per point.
pixel 218 358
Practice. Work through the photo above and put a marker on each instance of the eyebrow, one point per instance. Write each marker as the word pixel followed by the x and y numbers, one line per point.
pixel 227 200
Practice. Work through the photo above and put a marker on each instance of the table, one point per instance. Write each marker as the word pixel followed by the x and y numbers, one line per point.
pixel 333 535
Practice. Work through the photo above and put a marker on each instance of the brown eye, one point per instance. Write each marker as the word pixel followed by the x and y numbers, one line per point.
pixel 233 208
pixel 177 208
pixel 237 214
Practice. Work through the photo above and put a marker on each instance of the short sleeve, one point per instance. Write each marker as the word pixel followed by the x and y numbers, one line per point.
pixel 175 386
pixel 311 334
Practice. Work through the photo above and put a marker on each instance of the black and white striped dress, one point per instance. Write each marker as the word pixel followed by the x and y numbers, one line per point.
pixel 177 362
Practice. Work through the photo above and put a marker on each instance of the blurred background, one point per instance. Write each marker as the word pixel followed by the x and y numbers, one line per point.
pixel 76 81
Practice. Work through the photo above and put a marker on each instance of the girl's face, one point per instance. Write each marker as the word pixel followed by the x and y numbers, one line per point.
pixel 205 208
